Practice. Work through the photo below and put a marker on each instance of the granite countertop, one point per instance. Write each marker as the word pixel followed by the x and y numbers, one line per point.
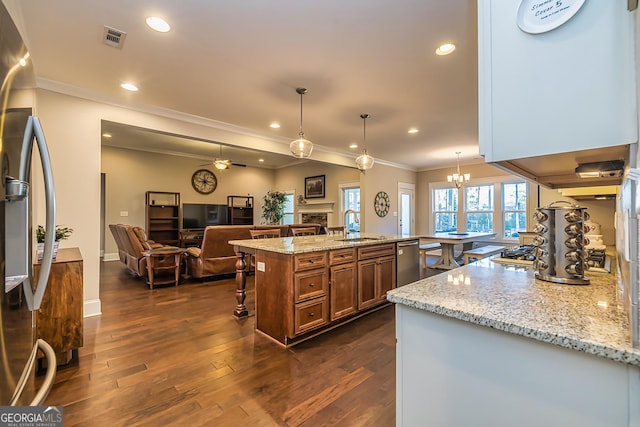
pixel 509 298
pixel 321 242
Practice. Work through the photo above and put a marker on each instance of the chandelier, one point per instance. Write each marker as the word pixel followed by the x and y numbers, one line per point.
pixel 457 178
pixel 364 160
pixel 301 147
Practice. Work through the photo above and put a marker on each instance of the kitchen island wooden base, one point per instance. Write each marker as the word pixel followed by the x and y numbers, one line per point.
pixel 299 295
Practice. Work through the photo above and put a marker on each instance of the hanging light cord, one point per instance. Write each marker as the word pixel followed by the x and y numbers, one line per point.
pixel 301 91
pixel 364 132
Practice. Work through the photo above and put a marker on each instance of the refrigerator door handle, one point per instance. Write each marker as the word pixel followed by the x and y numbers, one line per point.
pixel 50 375
pixel 34 131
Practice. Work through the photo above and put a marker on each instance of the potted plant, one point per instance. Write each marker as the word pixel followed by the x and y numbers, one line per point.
pixel 62 233
pixel 273 207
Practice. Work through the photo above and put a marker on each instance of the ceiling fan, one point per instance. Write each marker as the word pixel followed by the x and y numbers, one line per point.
pixel 222 164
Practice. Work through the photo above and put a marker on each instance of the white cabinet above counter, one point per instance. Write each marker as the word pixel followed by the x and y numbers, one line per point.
pixel 569 89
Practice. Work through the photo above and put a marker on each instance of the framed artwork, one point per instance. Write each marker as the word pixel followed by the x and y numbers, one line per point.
pixel 314 187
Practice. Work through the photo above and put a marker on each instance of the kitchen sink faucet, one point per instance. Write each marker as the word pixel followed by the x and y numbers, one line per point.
pixel 346 214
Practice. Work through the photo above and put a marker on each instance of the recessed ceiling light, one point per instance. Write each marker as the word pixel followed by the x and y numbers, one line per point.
pixel 261 160
pixel 107 135
pixel 274 125
pixel 129 86
pixel 158 24
pixel 445 49
pixel 413 130
pixel 353 145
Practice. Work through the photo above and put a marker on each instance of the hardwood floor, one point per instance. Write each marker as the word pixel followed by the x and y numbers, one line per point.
pixel 176 356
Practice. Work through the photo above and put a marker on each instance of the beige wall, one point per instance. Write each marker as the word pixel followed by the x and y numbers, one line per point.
pixel 72 126
pixel 130 173
pixel 382 178
pixel 292 178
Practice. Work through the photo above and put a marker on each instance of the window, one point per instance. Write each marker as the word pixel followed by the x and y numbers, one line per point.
pixel 479 207
pixel 497 205
pixel 351 200
pixel 445 209
pixel 514 208
pixel 288 217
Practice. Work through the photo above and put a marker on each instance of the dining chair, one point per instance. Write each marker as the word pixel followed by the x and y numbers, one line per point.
pixel 264 234
pixel 336 231
pixel 303 231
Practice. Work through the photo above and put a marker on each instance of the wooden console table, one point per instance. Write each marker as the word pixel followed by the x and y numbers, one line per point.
pixel 59 320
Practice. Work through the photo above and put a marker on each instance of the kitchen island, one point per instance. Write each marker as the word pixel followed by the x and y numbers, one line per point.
pixel 487 344
pixel 306 285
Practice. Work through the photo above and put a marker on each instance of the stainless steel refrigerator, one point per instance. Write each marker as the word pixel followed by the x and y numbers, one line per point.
pixel 20 297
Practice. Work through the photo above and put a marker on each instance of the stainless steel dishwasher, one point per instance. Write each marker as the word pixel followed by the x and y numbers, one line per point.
pixel 407 262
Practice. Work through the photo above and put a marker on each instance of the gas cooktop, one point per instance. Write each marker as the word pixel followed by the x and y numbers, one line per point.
pixel 522 255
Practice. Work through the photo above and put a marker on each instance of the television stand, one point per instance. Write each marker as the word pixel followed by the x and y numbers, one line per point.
pixel 191 237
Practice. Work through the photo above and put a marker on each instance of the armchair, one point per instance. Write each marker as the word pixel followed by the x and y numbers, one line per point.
pixel 216 256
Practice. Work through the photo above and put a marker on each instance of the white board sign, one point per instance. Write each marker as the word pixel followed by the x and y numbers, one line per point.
pixel 539 16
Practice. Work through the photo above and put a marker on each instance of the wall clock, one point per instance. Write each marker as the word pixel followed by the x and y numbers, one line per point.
pixel 381 203
pixel 204 181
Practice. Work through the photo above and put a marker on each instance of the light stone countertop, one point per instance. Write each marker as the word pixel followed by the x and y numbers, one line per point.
pixel 508 298
pixel 320 242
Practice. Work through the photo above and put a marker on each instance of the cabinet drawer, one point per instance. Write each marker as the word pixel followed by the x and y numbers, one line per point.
pixel 340 256
pixel 310 260
pixel 310 315
pixel 310 284
pixel 376 251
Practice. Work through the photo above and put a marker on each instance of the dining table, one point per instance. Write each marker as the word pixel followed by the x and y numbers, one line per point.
pixel 448 241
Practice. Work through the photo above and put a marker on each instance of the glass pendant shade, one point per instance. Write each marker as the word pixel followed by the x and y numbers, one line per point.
pixel 301 147
pixel 364 160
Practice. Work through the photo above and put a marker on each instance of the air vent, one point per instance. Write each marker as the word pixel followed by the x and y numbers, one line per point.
pixel 112 37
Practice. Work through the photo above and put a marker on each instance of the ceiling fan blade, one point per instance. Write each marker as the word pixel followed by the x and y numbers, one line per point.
pixel 239 164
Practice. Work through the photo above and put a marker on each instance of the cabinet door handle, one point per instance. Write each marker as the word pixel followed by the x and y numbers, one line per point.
pixel 311 261
pixel 311 285
pixel 312 314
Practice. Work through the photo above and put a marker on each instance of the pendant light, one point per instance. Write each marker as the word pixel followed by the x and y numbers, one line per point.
pixel 457 178
pixel 301 147
pixel 364 160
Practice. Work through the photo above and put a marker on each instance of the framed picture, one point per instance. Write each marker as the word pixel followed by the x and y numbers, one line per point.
pixel 314 187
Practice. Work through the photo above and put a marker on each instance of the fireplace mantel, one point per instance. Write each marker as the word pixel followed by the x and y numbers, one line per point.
pixel 316 207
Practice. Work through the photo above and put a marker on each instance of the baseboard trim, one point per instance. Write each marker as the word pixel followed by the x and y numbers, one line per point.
pixel 92 307
pixel 111 257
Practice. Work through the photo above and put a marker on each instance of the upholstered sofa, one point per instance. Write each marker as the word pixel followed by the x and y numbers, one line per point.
pixel 216 256
pixel 132 242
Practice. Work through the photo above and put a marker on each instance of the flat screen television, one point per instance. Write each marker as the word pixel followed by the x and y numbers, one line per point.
pixel 200 215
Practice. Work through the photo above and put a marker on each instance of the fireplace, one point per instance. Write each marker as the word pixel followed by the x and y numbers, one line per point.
pixel 315 218
pixel 315 213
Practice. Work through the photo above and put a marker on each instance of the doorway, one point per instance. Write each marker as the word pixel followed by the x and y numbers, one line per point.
pixel 406 208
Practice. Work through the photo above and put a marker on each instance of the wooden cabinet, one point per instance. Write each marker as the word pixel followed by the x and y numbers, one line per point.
pixel 342 283
pixel 240 210
pixel 310 290
pixel 59 320
pixel 300 295
pixel 565 90
pixel 163 217
pixel 376 274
